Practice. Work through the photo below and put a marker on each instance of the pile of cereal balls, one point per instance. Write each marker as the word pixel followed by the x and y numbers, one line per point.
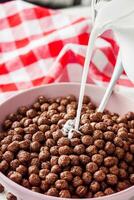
pixel 35 153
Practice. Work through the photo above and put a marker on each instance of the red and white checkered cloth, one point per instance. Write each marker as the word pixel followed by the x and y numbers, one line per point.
pixel 39 46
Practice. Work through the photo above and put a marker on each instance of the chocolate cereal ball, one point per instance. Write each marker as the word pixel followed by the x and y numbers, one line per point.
pixel 16 177
pixel 22 170
pixel 109 135
pixel 91 150
pixel 14 146
pixel 87 140
pixel 99 194
pixel 86 129
pixel 114 170
pixel 33 169
pixel 10 196
pixel 44 156
pixel 56 169
pixel 51 178
pixel 132 148
pixel 110 161
pixel 1 188
pixel 81 191
pixel 23 156
pixel 76 171
pixel 96 117
pixel 57 134
pixel 94 186
pixel 8 156
pixel 91 167
pixel 74 159
pixel 111 179
pixel 24 145
pixel 84 159
pixel 64 160
pixel 79 149
pixel 54 151
pixel 35 146
pixel 34 180
pixel 132 178
pixel 61 184
pixel 65 150
pixel 99 176
pixel 97 134
pixel 44 185
pixel 65 194
pixel 75 141
pixel 35 161
pixel 53 192
pixel 87 177
pixel 4 166
pixel 110 148
pixel 25 183
pixel 108 191
pixel 66 175
pixel 99 143
pixel 122 185
pixel 77 181
pixel 63 141
pixel 43 173
pixel 38 136
pixel 97 158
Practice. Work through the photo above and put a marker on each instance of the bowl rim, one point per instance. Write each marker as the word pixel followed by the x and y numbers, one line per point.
pixel 43 196
pixel 103 88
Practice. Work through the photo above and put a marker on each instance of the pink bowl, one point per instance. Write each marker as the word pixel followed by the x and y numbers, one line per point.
pixel 118 103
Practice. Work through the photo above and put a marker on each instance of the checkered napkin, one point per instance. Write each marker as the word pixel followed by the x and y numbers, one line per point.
pixel 40 46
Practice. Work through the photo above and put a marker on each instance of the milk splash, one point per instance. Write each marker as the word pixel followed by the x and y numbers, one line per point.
pixel 68 129
pixel 119 17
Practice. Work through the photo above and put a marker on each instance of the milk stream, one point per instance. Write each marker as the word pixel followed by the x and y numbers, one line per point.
pixel 116 74
pixel 122 17
pixel 73 125
pixel 121 21
pixel 89 52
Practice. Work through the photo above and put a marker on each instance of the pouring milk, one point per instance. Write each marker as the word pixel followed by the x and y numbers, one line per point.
pixel 119 17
